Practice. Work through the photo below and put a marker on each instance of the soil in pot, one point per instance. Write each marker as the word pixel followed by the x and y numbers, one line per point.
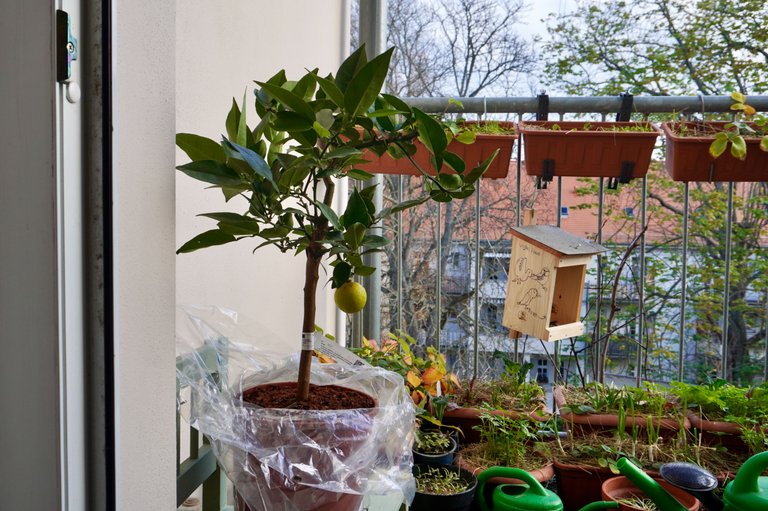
pixel 284 427
pixel 444 488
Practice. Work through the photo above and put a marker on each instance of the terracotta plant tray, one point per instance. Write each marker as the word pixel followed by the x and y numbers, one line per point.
pixel 543 474
pixel 722 433
pixel 688 158
pixel 596 152
pixel 472 154
pixel 592 422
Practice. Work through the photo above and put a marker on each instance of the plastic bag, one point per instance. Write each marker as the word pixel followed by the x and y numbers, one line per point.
pixel 289 460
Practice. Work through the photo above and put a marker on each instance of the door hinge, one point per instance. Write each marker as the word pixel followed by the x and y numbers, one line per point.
pixel 66 46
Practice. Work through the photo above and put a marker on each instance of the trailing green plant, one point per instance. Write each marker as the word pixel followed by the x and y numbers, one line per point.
pixel 439 480
pixel 432 442
pixel 720 400
pixel 282 172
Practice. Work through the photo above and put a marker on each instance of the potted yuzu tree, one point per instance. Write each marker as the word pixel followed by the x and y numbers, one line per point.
pixel 280 176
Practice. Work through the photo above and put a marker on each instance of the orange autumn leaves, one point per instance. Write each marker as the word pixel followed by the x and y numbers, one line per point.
pixel 424 377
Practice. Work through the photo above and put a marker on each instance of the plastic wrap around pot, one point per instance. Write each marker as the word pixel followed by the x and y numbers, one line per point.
pixel 283 459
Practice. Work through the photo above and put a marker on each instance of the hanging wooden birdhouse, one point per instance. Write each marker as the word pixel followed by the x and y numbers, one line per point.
pixel 546 281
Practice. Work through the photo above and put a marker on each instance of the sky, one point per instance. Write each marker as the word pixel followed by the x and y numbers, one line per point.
pixel 539 9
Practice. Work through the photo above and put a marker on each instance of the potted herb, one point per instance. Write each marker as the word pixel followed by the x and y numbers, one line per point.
pixel 598 407
pixel 280 175
pixel 508 442
pixel 472 142
pixel 719 151
pixel 512 394
pixel 728 415
pixel 434 447
pixel 443 487
pixel 620 150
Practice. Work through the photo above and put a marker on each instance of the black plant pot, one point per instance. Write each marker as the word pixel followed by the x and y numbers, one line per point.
pixel 445 458
pixel 453 502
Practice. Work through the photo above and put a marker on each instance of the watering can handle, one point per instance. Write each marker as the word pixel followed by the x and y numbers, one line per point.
pixel 513 473
pixel 594 506
pixel 747 476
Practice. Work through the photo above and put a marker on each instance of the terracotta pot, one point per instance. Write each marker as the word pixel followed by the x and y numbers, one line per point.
pixel 598 152
pixel 722 433
pixel 579 485
pixel 472 154
pixel 269 489
pixel 620 487
pixel 585 423
pixel 467 418
pixel 688 158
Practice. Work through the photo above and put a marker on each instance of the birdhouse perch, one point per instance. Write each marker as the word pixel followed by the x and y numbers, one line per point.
pixel 547 269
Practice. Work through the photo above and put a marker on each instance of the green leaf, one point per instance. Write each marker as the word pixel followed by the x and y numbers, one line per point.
pixel 738 96
pixel 454 161
pixel 738 147
pixel 234 223
pixel 200 148
pixel 289 100
pixel 364 271
pixel 242 127
pixel 233 120
pixel 354 235
pixel 254 161
pixel 286 120
pixel 432 135
pixel 329 214
pixel 375 241
pixel 402 206
pixel 321 130
pixel 718 146
pixel 397 103
pixel 331 90
pixel 466 137
pixel 210 171
pixel 359 174
pixel 477 172
pixel 366 84
pixel 206 239
pixel 342 152
pixel 357 211
pixel 764 143
pixel 342 272
pixel 349 69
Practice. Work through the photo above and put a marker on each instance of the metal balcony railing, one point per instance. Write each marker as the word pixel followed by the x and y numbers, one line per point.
pixel 647 108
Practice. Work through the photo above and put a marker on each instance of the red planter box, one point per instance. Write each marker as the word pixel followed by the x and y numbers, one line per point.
pixel 688 158
pixel 598 152
pixel 472 154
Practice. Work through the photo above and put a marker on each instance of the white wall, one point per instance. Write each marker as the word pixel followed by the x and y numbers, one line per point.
pixel 220 51
pixel 145 387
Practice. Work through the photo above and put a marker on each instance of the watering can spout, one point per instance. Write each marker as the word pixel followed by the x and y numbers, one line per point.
pixel 748 491
pixel 654 490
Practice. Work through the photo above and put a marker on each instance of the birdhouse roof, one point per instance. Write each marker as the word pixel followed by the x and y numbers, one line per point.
pixel 557 241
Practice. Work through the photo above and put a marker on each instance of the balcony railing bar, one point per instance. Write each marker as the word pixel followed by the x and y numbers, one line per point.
pixel 603 105
pixel 727 285
pixel 584 104
pixel 439 295
pixel 683 282
pixel 476 300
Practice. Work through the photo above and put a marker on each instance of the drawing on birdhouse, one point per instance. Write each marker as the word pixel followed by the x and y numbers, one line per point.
pixel 547 270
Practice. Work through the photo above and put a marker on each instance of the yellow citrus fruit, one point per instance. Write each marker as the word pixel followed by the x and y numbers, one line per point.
pixel 350 297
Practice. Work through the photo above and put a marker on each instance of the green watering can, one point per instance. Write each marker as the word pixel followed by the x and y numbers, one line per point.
pixel 531 496
pixel 747 492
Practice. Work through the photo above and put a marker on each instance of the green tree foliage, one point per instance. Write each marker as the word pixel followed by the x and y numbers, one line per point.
pixel 659 47
pixel 678 47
